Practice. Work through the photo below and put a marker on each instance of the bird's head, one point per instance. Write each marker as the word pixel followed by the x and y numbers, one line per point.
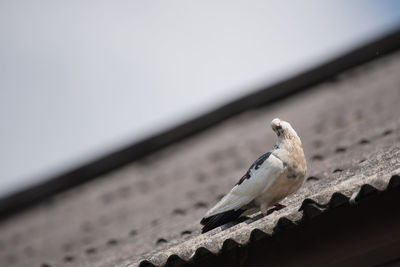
pixel 284 130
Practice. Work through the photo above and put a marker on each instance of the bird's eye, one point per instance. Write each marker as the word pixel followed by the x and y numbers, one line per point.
pixel 280 131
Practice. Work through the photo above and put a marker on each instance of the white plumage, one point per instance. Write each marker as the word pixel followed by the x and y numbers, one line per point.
pixel 271 178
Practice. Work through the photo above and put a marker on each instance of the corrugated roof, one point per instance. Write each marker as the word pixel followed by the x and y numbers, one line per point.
pixel 350 141
pixel 247 232
pixel 150 209
pixel 350 191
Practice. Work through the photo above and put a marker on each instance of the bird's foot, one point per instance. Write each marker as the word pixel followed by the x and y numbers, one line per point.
pixel 276 207
pixel 279 206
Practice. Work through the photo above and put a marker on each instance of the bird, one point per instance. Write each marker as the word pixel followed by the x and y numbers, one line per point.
pixel 272 177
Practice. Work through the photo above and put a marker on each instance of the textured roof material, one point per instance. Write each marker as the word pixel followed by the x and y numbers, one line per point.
pixel 149 210
pixel 336 194
pixel 385 44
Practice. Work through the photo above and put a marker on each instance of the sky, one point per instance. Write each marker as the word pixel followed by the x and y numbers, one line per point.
pixel 79 79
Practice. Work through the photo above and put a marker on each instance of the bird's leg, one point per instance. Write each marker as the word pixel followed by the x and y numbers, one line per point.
pixel 264 210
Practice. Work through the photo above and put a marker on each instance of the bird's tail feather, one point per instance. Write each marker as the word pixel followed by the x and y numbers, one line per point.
pixel 219 219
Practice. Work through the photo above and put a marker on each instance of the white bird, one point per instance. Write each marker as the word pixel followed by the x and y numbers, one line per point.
pixel 271 178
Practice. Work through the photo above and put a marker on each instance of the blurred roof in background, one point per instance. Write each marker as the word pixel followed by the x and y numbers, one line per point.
pixel 82 79
pixel 148 211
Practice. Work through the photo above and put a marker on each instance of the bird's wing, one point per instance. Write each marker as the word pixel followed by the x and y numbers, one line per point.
pixel 259 177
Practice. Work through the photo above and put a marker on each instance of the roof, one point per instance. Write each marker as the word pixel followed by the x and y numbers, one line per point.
pixel 149 210
pixel 385 44
pixel 350 141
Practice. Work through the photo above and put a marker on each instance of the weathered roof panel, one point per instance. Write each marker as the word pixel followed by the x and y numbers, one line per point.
pixel 179 256
pixel 335 194
pixel 149 210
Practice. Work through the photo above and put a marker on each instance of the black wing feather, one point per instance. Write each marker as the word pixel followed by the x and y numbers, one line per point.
pixel 255 165
pixel 220 219
pixel 230 215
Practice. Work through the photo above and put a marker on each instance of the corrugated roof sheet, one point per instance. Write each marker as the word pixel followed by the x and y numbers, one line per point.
pixel 248 232
pixel 351 191
pixel 150 209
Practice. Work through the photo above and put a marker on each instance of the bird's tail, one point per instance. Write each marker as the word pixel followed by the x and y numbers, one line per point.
pixel 219 219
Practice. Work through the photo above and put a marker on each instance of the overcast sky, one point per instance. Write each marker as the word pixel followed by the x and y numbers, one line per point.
pixel 81 78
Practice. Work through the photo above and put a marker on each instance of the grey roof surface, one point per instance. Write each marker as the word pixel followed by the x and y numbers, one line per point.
pixel 150 209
